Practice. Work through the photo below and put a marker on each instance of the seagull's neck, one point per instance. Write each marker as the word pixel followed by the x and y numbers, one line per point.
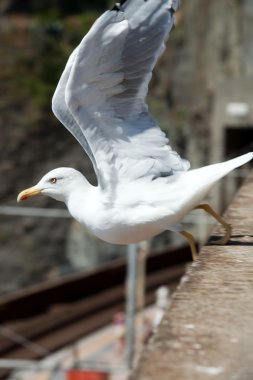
pixel 80 197
pixel 78 190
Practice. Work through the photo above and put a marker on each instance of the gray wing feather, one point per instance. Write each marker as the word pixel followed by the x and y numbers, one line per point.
pixel 64 115
pixel 106 87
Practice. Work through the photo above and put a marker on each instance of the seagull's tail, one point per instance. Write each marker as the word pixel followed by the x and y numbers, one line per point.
pixel 204 178
pixel 241 160
pixel 222 169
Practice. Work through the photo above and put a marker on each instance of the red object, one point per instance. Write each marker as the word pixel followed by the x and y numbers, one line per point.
pixel 86 375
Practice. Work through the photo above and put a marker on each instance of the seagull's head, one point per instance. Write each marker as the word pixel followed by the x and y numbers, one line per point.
pixel 58 184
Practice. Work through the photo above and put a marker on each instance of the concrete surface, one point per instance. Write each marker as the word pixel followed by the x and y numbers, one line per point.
pixel 208 331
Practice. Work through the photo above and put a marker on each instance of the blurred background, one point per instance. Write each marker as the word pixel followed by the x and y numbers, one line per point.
pixel 201 94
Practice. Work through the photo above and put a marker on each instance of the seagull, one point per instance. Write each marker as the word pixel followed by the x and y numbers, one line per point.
pixel 144 187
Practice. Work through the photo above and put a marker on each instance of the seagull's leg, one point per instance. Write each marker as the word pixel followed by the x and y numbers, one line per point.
pixel 228 228
pixel 191 242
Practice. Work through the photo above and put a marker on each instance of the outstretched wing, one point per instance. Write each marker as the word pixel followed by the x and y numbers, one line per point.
pixel 106 85
pixel 62 112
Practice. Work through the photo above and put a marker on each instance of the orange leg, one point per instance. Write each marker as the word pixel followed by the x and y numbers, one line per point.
pixel 228 228
pixel 192 244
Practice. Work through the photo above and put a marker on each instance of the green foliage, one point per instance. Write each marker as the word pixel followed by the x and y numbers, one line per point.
pixel 39 66
pixel 40 53
pixel 88 18
pixel 178 37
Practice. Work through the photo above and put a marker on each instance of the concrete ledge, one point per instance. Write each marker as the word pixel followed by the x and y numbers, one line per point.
pixel 208 331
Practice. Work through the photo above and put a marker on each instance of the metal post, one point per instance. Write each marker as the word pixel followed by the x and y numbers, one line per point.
pixel 131 303
pixel 140 293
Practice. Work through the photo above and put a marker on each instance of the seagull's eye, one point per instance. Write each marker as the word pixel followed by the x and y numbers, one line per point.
pixel 53 180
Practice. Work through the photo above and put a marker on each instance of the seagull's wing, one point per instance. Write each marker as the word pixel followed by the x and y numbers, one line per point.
pixel 106 89
pixel 62 112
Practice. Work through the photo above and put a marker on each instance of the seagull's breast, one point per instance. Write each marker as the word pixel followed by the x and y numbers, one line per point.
pixel 115 232
pixel 113 222
pixel 121 224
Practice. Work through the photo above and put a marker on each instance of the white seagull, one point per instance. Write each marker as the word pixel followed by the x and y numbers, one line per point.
pixel 144 187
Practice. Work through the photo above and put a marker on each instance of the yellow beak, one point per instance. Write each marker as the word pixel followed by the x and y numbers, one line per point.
pixel 31 192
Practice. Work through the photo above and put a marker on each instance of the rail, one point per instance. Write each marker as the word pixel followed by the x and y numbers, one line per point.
pixel 39 320
pixel 208 331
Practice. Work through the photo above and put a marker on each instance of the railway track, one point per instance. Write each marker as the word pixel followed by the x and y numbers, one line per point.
pixel 56 314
